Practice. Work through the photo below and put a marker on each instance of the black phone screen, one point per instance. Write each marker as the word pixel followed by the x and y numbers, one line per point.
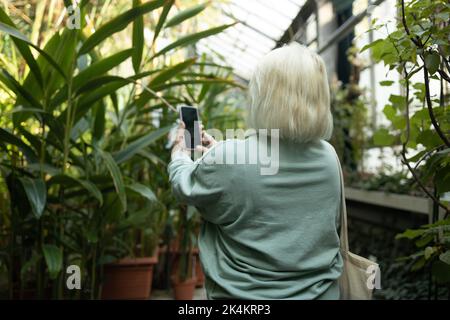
pixel 189 116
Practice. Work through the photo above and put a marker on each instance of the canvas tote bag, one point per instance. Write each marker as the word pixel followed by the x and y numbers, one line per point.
pixel 358 272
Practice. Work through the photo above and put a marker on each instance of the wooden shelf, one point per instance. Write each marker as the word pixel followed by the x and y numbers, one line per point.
pixel 391 200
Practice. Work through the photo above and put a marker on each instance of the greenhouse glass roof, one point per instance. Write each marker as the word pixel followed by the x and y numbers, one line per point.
pixel 261 25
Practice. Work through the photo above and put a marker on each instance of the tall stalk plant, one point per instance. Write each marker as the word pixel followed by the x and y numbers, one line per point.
pixel 84 180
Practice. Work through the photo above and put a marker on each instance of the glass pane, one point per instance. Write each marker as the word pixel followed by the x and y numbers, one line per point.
pixel 262 23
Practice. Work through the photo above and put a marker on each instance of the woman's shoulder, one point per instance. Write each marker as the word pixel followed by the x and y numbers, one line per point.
pixel 215 167
pixel 327 146
pixel 330 156
pixel 225 152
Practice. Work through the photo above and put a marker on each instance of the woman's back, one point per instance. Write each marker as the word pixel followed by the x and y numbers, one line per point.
pixel 266 236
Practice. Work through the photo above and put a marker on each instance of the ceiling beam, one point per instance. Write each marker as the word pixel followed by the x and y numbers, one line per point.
pixel 306 10
pixel 249 26
pixel 347 27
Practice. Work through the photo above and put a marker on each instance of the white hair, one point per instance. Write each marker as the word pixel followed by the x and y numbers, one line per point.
pixel 289 91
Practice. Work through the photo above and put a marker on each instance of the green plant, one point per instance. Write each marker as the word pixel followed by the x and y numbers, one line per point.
pixel 348 105
pixel 419 51
pixel 186 237
pixel 80 149
pixel 385 180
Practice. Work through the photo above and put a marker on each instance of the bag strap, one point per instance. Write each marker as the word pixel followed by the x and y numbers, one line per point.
pixel 343 211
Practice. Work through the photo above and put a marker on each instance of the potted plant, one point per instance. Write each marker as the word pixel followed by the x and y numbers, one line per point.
pixel 130 277
pixel 183 276
pixel 73 132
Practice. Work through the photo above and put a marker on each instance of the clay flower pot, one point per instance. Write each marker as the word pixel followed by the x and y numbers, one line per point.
pixel 183 290
pixel 129 278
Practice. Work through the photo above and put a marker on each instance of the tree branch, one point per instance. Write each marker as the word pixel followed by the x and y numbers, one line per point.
pixel 427 154
pixel 403 152
pixel 430 107
pixel 419 44
pixel 415 40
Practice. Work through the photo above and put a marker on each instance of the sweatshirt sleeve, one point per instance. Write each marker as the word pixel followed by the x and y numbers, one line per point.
pixel 200 184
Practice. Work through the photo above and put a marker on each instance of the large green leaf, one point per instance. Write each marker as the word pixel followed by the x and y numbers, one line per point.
pixel 10 138
pixel 62 47
pixel 53 258
pixel 36 192
pixel 24 50
pixel 197 81
pixel 145 96
pixel 185 14
pixel 162 19
pixel 94 70
pixel 142 190
pixel 95 86
pixel 432 61
pixel 410 234
pixel 65 179
pixel 192 38
pixel 382 137
pixel 117 24
pixel 18 89
pixel 87 101
pixel 100 67
pixel 138 39
pixel 116 175
pixel 18 35
pixel 163 76
pixel 170 72
pixel 99 113
pixel 104 86
pixel 34 140
pixel 139 144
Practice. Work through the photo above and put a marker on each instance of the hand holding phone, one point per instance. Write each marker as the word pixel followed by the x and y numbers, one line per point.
pixel 192 133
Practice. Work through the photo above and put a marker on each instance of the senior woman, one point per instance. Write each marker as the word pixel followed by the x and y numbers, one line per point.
pixel 270 236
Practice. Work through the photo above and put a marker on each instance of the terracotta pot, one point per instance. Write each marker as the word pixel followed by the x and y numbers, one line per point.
pixel 184 290
pixel 129 278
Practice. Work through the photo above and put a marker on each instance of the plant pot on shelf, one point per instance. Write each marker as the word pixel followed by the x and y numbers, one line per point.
pixel 129 278
pixel 183 289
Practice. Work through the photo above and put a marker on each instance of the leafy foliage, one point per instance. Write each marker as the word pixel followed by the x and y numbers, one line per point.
pixel 83 163
pixel 419 51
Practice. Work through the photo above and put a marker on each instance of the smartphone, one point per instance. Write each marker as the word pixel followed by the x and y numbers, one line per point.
pixel 189 115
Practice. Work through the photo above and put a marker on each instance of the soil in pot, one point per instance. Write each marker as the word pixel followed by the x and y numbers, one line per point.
pixel 129 278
